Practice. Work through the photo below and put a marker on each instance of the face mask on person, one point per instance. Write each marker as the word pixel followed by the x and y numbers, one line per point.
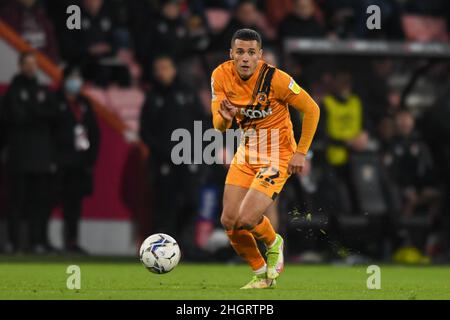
pixel 73 85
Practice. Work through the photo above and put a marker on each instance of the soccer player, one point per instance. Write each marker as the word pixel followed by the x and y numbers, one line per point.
pixel 257 95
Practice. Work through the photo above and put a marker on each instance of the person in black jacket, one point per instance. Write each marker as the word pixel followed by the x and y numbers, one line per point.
pixel 95 44
pixel 412 168
pixel 245 15
pixel 302 22
pixel 169 31
pixel 28 117
pixel 77 144
pixel 170 105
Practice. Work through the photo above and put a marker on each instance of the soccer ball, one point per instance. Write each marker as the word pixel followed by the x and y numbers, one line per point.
pixel 160 253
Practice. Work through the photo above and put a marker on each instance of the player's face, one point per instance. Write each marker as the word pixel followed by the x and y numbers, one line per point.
pixel 245 55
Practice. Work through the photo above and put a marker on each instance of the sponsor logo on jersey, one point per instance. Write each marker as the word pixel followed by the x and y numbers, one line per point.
pixel 256 114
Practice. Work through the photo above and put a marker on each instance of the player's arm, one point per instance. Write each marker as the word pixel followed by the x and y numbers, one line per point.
pixel 311 114
pixel 291 93
pixel 222 110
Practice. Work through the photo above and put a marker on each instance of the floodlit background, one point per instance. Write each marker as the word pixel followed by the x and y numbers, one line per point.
pixel 376 185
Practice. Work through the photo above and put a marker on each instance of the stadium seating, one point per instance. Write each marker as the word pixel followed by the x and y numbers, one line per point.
pixel 366 175
pixel 125 102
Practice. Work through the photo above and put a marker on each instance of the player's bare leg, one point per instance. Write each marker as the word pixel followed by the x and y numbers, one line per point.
pixel 241 240
pixel 272 214
pixel 251 217
pixel 232 199
pixel 252 209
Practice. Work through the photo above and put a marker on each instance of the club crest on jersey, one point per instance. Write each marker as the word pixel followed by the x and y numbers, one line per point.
pixel 261 97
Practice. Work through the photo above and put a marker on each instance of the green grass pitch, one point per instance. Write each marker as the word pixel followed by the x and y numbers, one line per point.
pixel 25 278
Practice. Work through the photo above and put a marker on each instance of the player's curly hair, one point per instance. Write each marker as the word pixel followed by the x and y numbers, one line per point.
pixel 246 35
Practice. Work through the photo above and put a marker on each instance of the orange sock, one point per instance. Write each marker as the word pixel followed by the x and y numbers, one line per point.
pixel 245 246
pixel 264 232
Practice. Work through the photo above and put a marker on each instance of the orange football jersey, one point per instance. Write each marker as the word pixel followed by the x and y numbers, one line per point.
pixel 262 102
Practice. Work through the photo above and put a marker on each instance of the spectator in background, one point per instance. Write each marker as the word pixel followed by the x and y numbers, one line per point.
pixel 276 10
pixel 302 22
pixel 411 166
pixel 30 21
pixel 168 106
pixel 344 127
pixel 373 87
pixel 170 33
pixel 77 144
pixel 413 171
pixel 120 13
pixel 141 13
pixel 104 28
pixel 96 46
pixel 246 15
pixel 96 41
pixel 97 29
pixel 345 123
pixel 340 17
pixel 28 116
pixel 385 133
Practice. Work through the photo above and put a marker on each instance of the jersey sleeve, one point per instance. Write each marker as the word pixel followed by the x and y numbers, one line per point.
pixel 217 95
pixel 289 92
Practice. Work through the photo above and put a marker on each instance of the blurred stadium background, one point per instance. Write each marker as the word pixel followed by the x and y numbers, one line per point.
pixel 377 182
